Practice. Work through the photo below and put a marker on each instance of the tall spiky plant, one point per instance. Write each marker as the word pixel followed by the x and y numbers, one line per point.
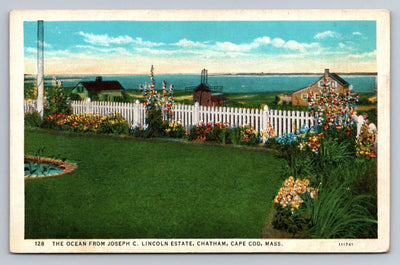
pixel 337 213
pixel 158 107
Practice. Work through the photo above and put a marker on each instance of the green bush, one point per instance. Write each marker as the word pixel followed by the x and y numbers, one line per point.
pixel 338 213
pixel 331 162
pixel 234 135
pixel 140 132
pixel 295 224
pixel 32 119
pixel 29 90
pixel 74 96
pixel 218 134
pixel 174 130
pixel 371 115
pixel 194 133
pixel 155 122
pixel 114 124
pixel 49 123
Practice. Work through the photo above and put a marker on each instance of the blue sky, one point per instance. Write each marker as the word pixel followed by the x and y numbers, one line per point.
pixel 130 47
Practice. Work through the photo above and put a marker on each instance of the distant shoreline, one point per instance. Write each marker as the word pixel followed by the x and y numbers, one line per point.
pixel 217 74
pixel 266 74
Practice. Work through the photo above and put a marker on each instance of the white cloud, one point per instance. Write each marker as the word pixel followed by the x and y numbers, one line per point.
pixel 261 41
pixel 118 50
pixel 357 33
pixel 45 44
pixel 31 50
pixel 56 53
pixel 188 43
pixel 156 51
pixel 278 42
pixel 326 34
pixel 341 45
pixel 365 55
pixel 294 45
pixel 105 40
pixel 48 53
pixel 229 46
pixel 141 42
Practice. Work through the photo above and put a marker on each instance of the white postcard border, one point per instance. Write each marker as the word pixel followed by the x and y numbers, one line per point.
pixel 20 245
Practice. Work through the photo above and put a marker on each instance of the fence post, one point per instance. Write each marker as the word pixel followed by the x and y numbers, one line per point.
pixel 87 105
pixel 264 115
pixel 136 113
pixel 360 123
pixel 195 113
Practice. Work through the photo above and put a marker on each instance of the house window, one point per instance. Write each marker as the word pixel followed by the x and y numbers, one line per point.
pixel 317 96
pixel 321 83
pixel 333 85
pixel 304 96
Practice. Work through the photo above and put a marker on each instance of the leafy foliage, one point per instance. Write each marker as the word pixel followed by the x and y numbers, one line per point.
pixel 337 213
pixel 334 158
pixel 96 123
pixel 158 107
pixel 57 106
pixel 175 130
pixel 32 119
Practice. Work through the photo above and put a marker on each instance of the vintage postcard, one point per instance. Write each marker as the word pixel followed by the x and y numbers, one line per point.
pixel 199 131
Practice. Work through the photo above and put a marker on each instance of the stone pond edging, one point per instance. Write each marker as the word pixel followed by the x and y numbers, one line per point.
pixel 66 167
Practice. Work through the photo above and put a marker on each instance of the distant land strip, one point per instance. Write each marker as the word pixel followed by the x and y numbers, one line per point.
pixel 213 74
pixel 261 74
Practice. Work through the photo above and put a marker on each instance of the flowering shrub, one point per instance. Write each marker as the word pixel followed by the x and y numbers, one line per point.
pixel 175 130
pixel 289 214
pixel 313 141
pixel 365 143
pixel 292 193
pixel 199 131
pixel 248 135
pixel 332 109
pixel 216 132
pixel 88 122
pixel 114 124
pixel 57 107
pixel 219 133
pixel 84 122
pixel 268 133
pixel 288 138
pixel 158 106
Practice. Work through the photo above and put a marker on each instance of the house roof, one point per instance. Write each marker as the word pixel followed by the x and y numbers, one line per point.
pixel 101 85
pixel 339 79
pixel 333 76
pixel 202 87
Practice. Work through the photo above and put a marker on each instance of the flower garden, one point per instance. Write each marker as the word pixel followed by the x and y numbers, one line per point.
pixel 328 173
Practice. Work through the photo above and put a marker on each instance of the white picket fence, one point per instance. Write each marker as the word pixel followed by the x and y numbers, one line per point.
pixel 281 121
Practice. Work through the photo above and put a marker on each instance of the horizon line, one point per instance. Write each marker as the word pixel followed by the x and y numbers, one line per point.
pixel 212 74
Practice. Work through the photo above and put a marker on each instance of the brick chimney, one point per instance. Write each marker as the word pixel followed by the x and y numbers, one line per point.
pixel 326 74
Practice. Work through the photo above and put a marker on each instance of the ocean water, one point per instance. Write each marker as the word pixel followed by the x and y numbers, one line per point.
pixel 230 83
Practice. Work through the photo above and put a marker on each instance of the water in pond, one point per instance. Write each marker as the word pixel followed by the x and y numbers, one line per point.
pixel 38 169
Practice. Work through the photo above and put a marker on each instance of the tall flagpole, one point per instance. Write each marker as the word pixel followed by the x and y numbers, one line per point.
pixel 40 67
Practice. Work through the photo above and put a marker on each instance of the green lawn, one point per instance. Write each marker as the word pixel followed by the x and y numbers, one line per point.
pixel 130 188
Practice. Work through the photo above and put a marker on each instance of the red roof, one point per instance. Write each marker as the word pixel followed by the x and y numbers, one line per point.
pixel 202 87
